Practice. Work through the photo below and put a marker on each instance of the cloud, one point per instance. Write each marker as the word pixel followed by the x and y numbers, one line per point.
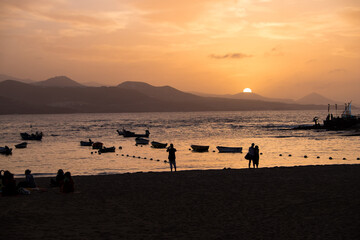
pixel 338 70
pixel 352 15
pixel 275 51
pixel 230 56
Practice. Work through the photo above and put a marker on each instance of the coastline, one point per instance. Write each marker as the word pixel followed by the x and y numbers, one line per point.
pixel 304 202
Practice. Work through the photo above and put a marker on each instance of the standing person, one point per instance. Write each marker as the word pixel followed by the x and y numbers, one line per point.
pixel 171 150
pixel 256 157
pixel 250 155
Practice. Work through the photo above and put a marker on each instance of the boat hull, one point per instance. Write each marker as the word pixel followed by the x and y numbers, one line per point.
pixel 158 145
pixel 229 149
pixel 21 145
pixel 200 148
pixel 141 141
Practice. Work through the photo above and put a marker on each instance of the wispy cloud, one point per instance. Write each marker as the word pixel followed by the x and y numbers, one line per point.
pixel 338 70
pixel 230 56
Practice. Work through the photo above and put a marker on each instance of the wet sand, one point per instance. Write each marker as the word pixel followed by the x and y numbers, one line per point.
pixel 316 202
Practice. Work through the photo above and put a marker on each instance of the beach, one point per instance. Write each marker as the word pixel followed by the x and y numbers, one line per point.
pixel 307 202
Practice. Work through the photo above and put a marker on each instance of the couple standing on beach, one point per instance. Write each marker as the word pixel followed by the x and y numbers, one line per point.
pixel 253 155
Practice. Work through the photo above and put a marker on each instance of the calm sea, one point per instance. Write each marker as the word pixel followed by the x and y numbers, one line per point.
pixel 60 147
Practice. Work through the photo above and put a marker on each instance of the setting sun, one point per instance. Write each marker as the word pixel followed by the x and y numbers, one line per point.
pixel 247 90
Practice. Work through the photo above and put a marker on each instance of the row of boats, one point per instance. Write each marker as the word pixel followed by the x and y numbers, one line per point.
pixel 25 136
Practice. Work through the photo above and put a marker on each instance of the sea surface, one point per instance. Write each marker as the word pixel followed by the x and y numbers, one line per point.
pixel 270 130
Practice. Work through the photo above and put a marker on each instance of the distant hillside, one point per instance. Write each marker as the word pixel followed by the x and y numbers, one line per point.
pixel 248 96
pixel 4 77
pixel 163 93
pixel 59 81
pixel 315 98
pixel 17 97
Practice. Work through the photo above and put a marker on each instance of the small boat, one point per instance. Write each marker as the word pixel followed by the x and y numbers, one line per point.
pixel 5 150
pixel 126 133
pixel 21 145
pixel 105 149
pixel 200 148
pixel 141 141
pixel 86 143
pixel 33 136
pixel 229 149
pixel 97 145
pixel 158 144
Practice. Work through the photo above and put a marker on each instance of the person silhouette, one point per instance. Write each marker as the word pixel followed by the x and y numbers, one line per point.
pixel 256 157
pixel 171 150
pixel 250 155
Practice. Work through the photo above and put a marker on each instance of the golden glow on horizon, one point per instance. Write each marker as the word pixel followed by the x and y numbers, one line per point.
pixel 247 90
pixel 283 49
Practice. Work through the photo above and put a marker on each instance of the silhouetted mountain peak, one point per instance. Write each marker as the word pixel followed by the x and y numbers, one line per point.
pixel 59 81
pixel 315 98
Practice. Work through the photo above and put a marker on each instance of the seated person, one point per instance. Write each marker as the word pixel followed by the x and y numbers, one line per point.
pixel 68 184
pixel 30 181
pixel 58 180
pixel 8 184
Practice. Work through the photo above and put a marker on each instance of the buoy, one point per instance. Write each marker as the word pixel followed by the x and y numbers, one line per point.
pixel 133 156
pixel 117 154
pixel 144 157
pixel 91 152
pixel 317 157
pixel 127 155
pixel 120 147
pixel 330 158
pixel 358 159
pixel 213 150
pixel 305 156
pixel 189 149
pixel 122 154
pixel 158 160
pixel 344 158
pixel 95 152
pixel 260 153
pixel 151 159
pixel 138 157
pixel 140 145
pixel 289 155
pixel 165 161
pixel 99 153
pixel 280 155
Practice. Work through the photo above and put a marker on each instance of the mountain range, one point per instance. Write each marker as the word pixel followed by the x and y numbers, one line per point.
pixel 64 95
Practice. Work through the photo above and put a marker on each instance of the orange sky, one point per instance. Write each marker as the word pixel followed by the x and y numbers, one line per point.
pixel 277 48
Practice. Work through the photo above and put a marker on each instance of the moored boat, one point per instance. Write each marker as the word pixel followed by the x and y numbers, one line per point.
pixel 33 136
pixel 5 150
pixel 86 143
pixel 200 148
pixel 158 144
pixel 126 133
pixel 141 141
pixel 229 149
pixel 21 145
pixel 105 149
pixel 97 145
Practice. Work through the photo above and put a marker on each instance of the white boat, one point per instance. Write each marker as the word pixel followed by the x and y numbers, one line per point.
pixel 229 149
pixel 200 148
pixel 141 141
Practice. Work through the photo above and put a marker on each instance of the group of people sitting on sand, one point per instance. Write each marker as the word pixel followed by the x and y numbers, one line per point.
pixel 253 155
pixel 9 187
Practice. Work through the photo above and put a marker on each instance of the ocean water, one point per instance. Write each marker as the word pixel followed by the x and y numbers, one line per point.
pixel 270 130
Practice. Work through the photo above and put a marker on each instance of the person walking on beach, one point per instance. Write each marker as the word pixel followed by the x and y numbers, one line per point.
pixel 171 150
pixel 256 157
pixel 250 155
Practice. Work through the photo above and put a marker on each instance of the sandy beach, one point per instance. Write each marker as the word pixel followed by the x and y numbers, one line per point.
pixel 315 202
